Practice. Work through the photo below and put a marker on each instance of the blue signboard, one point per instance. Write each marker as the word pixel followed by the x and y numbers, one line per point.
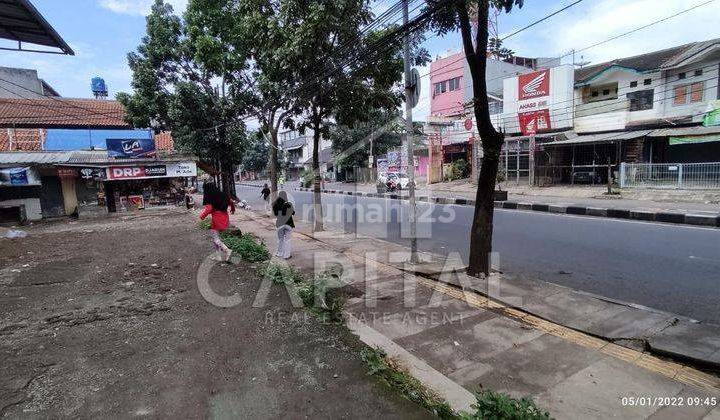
pixel 10 177
pixel 130 148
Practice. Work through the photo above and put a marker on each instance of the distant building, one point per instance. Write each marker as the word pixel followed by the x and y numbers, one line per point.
pixel 298 149
pixel 54 160
pixel 23 84
pixel 565 125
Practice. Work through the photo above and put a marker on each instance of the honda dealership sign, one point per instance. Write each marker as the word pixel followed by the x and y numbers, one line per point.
pixel 538 101
pixel 534 85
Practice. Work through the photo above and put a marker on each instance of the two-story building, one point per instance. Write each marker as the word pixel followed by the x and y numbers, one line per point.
pixel 449 127
pixel 566 125
pixel 298 149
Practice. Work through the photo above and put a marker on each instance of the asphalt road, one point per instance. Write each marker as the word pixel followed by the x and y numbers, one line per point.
pixel 672 268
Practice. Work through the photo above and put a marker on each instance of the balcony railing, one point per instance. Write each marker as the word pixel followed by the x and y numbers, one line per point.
pixel 601 107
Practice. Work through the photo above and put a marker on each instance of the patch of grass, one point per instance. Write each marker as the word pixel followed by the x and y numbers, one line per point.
pixel 496 406
pixel 246 247
pixel 204 224
pixel 396 377
pixel 282 274
pixel 316 295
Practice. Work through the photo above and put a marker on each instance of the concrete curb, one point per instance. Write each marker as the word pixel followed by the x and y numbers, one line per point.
pixel 707 220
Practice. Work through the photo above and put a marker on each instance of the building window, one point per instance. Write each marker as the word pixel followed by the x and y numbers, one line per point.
pixel 606 92
pixel 681 75
pixel 454 84
pixel 696 92
pixel 686 94
pixel 633 84
pixel 594 93
pixel 441 87
pixel 641 100
pixel 647 82
pixel 680 95
pixel 698 72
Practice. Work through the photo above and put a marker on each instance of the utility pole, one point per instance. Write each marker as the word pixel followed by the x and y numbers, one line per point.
pixel 409 139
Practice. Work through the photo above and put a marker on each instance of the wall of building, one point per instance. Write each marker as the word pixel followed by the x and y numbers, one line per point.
pixel 443 69
pixel 29 197
pixel 20 83
pixel 709 79
pixel 66 139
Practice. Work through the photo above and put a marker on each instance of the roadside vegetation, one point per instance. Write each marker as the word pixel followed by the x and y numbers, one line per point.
pixel 389 373
pixel 246 246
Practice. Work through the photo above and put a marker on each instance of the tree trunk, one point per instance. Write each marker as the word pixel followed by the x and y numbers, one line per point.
pixel 273 163
pixel 317 197
pixel 482 228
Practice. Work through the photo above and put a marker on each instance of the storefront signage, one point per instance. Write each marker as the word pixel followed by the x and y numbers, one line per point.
pixel 67 172
pixel 19 177
pixel 170 170
pixel 181 169
pixel 130 148
pixel 93 173
pixel 534 122
pixel 534 85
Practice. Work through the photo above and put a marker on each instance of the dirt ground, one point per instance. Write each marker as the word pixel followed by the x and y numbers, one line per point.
pixel 104 318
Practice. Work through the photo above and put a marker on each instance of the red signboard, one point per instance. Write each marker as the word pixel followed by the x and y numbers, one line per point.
pixel 534 85
pixel 468 124
pixel 67 172
pixel 533 122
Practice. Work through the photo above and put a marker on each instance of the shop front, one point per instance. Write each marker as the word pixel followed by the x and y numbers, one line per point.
pixel 131 187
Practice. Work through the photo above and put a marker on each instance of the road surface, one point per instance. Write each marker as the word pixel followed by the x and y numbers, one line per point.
pixel 673 268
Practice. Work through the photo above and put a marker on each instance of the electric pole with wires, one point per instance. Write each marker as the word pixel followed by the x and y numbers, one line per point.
pixel 411 87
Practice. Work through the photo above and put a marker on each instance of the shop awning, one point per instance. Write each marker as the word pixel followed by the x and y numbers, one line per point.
pixel 20 21
pixel 600 138
pixel 697 130
pixel 674 141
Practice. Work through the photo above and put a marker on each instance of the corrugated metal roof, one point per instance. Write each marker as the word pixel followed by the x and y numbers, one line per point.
pixel 21 21
pixel 294 143
pixel 42 158
pixel 600 138
pixel 686 131
pixel 100 157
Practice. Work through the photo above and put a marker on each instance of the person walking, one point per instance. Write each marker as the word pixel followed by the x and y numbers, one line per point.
pixel 216 205
pixel 284 212
pixel 265 193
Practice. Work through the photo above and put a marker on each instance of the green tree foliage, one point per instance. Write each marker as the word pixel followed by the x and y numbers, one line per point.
pixel 352 144
pixel 352 72
pixel 497 51
pixel 179 81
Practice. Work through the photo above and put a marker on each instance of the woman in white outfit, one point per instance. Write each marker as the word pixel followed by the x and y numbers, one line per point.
pixel 283 211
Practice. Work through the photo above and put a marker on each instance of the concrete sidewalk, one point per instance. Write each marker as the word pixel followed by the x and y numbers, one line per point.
pixel 458 334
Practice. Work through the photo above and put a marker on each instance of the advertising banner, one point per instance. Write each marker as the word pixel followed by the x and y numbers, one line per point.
pixel 170 170
pixel 11 177
pixel 534 122
pixel 534 85
pixel 98 174
pixel 181 169
pixel 130 148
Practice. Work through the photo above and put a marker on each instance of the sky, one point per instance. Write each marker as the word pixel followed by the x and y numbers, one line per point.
pixel 102 32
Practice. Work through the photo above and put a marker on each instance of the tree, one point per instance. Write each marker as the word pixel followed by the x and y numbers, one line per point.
pixel 179 82
pixel 497 51
pixel 454 17
pixel 257 154
pixel 353 72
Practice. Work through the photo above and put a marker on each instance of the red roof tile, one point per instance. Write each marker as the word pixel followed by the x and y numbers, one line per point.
pixel 61 113
pixel 164 141
pixel 28 140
